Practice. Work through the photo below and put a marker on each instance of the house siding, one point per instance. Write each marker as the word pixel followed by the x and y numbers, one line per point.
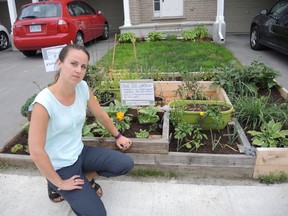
pixel 141 11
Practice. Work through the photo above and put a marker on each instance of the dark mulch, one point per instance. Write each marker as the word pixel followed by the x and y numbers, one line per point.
pixel 224 145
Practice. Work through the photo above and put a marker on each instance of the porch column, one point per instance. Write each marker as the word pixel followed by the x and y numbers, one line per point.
pixel 12 12
pixel 127 21
pixel 219 26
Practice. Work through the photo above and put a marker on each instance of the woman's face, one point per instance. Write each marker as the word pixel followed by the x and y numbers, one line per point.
pixel 74 66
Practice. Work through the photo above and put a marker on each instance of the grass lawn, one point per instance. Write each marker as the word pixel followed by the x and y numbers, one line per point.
pixel 168 56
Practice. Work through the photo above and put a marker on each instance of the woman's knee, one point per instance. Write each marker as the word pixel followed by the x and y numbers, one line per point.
pixel 128 164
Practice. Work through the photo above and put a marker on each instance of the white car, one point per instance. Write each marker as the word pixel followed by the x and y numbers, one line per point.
pixel 4 38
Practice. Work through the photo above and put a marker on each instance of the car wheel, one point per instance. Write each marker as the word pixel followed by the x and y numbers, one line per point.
pixel 4 41
pixel 105 34
pixel 254 39
pixel 29 53
pixel 79 39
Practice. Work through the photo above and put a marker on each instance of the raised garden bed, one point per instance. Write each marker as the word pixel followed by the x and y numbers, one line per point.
pixel 243 164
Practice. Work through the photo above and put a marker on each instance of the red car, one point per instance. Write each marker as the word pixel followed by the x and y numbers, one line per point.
pixel 51 23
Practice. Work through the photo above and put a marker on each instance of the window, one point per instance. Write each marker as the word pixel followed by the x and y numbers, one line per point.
pixel 40 11
pixel 168 8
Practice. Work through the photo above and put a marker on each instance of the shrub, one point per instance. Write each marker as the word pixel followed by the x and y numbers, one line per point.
pixel 25 107
pixel 127 37
pixel 155 36
pixel 198 32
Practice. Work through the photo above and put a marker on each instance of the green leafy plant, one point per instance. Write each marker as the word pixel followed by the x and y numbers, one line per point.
pixel 190 90
pixel 148 115
pixel 155 36
pixel 87 130
pixel 142 134
pixel 183 130
pixel 16 148
pixel 175 114
pixel 201 31
pixel 244 81
pixel 270 135
pixel 189 35
pixel 101 130
pixel 213 111
pixel 25 106
pixel 127 37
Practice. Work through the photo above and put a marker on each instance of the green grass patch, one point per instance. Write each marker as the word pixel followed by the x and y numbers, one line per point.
pixel 169 56
pixel 273 178
pixel 152 173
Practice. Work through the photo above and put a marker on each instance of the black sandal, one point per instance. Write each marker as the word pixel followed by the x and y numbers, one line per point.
pixel 96 187
pixel 53 195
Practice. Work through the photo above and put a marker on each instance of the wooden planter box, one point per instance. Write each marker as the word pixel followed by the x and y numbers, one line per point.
pixel 271 160
pixel 155 155
pixel 167 90
pixel 152 145
pixel 203 165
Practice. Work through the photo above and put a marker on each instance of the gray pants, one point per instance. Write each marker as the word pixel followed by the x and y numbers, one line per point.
pixel 105 162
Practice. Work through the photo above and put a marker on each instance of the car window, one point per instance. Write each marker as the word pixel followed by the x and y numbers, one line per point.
pixel 75 9
pixel 87 8
pixel 280 9
pixel 40 11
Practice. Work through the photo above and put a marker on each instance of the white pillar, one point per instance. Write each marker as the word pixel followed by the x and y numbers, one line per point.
pixel 12 11
pixel 219 26
pixel 127 21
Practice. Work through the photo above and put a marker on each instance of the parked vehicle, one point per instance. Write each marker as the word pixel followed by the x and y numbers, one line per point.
pixel 270 28
pixel 4 38
pixel 51 23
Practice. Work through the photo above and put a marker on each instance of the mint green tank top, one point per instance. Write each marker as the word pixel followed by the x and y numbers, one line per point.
pixel 64 133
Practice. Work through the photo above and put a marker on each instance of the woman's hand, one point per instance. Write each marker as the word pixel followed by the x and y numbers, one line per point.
pixel 72 183
pixel 123 143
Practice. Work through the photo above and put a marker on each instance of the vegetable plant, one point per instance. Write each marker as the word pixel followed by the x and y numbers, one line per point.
pixel 142 134
pixel 148 115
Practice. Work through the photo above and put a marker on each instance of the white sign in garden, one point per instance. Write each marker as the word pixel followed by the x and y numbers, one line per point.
pixel 137 92
pixel 50 56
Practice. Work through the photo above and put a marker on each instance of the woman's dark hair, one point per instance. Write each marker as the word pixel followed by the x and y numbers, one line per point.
pixel 63 54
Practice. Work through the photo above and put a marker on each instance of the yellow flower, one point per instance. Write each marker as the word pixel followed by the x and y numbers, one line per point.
pixel 120 115
pixel 202 114
pixel 95 97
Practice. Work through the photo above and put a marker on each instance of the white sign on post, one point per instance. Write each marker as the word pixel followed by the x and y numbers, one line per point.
pixel 50 56
pixel 137 92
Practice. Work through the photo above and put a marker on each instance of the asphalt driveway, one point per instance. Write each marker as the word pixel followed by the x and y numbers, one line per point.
pixel 240 47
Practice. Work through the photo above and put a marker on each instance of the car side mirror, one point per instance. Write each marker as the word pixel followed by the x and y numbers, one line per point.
pixel 100 12
pixel 264 12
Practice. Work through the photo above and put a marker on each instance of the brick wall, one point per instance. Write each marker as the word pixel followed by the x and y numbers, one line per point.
pixel 141 11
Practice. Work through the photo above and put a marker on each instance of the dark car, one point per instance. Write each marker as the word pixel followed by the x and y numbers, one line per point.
pixel 270 28
pixel 51 23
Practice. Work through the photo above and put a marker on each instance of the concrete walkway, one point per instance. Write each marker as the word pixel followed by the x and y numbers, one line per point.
pixel 27 196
